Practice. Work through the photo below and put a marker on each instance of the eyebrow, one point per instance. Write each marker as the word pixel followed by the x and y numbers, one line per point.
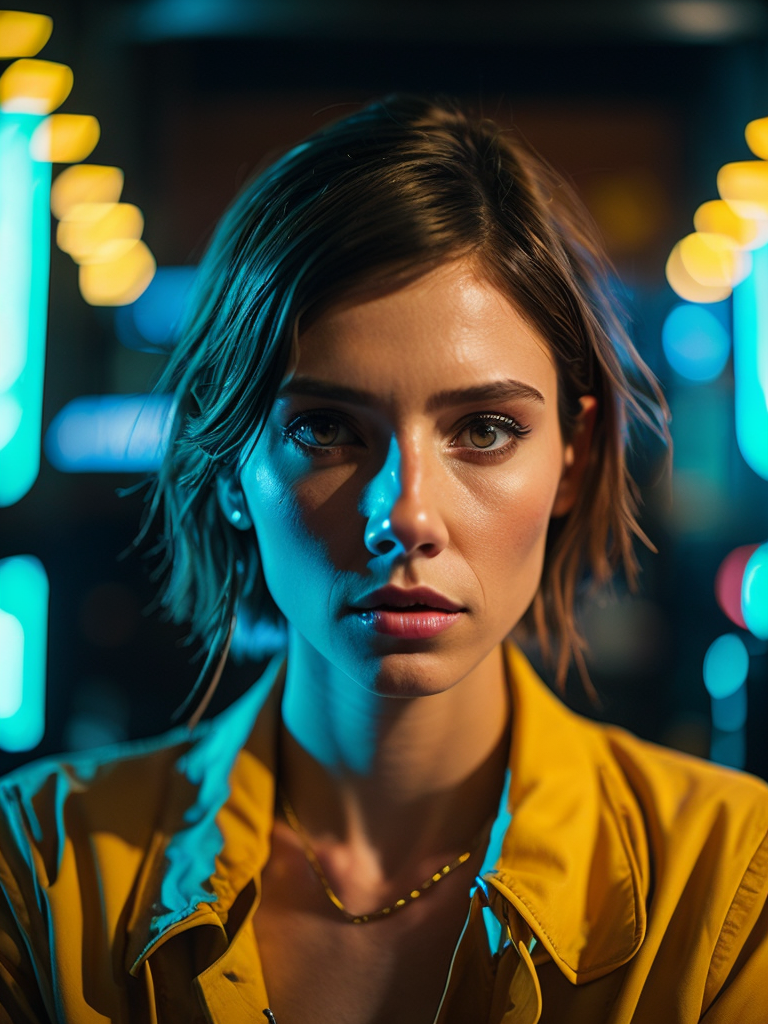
pixel 494 391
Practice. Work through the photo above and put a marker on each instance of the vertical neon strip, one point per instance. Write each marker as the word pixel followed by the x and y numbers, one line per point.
pixel 25 189
pixel 750 363
pixel 23 643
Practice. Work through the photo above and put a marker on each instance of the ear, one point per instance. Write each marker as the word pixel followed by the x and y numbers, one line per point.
pixel 575 458
pixel 232 500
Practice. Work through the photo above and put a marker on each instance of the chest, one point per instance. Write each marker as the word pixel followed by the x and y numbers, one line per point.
pixel 319 968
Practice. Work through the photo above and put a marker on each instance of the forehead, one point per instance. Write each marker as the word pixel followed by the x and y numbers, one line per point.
pixel 447 328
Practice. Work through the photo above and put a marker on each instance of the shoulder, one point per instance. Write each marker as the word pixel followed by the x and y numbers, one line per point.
pixel 676 790
pixel 706 829
pixel 56 801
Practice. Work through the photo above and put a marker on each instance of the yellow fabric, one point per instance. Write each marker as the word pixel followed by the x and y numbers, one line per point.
pixel 624 882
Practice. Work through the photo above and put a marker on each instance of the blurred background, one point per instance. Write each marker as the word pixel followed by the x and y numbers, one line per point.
pixel 640 104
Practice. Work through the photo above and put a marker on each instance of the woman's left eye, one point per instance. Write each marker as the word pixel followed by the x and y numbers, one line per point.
pixel 489 434
pixel 319 432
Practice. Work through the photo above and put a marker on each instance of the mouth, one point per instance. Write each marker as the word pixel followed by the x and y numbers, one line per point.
pixel 414 600
pixel 414 614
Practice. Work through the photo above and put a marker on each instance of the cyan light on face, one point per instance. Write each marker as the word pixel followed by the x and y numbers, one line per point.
pixel 695 342
pixel 726 665
pixel 750 364
pixel 25 186
pixel 23 642
pixel 109 434
pixel 754 592
pixel 378 500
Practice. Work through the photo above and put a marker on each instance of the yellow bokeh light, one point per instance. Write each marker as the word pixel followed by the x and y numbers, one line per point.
pixel 35 86
pixel 719 217
pixel 108 251
pixel 744 185
pixel 756 134
pixel 119 281
pixel 714 260
pixel 23 34
pixel 87 183
pixel 686 286
pixel 65 138
pixel 88 226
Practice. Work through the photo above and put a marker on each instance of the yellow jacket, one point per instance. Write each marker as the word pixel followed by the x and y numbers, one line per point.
pixel 623 882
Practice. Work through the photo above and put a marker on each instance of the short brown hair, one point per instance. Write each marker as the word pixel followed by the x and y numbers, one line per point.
pixel 400 186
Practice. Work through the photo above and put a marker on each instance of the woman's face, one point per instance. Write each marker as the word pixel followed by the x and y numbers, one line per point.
pixel 416 445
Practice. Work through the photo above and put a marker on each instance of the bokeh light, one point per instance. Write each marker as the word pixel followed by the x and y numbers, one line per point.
pixel 744 185
pixel 718 217
pixel 23 34
pixel 726 665
pixel 695 343
pixel 86 183
pixel 65 138
pixel 729 581
pixel 25 228
pixel 686 286
pixel 109 434
pixel 151 323
pixel 88 227
pixel 23 638
pixel 35 86
pixel 119 281
pixel 750 364
pixel 756 134
pixel 729 714
pixel 714 260
pixel 754 593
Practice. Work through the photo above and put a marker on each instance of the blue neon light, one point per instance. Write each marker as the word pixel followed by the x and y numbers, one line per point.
pixel 754 593
pixel 150 323
pixel 109 434
pixel 23 643
pixel 750 363
pixel 25 186
pixel 695 342
pixel 726 665
pixel 729 714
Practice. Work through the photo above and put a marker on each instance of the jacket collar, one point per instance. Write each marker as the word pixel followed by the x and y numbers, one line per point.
pixel 562 855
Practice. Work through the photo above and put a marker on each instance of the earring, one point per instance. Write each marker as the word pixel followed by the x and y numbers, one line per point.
pixel 235 516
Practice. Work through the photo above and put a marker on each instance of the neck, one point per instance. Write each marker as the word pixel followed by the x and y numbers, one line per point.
pixel 365 769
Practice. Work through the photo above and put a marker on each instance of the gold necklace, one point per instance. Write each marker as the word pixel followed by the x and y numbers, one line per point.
pixel 293 821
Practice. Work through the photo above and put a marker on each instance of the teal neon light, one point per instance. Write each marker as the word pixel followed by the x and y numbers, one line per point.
pixel 23 643
pixel 750 363
pixel 754 593
pixel 25 188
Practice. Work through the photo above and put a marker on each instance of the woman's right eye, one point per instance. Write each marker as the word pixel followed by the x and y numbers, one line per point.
pixel 319 432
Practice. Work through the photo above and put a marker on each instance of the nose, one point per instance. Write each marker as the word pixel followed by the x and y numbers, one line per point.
pixel 400 506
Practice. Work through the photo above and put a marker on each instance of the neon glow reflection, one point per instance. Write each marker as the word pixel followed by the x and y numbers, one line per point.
pixel 24 258
pixel 109 434
pixel 750 363
pixel 754 593
pixel 695 343
pixel 23 642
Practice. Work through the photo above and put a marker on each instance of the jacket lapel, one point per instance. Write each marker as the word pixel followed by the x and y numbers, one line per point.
pixel 569 864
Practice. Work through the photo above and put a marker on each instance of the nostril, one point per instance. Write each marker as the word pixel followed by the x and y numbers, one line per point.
pixel 383 547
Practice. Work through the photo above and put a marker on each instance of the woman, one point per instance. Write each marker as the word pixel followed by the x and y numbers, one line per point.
pixel 402 399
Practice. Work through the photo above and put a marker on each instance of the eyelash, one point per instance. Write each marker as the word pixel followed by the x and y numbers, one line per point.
pixel 517 430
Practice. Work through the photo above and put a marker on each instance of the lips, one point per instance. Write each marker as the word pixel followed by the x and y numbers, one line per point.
pixel 415 599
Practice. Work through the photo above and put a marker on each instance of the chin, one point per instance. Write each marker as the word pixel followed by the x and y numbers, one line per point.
pixel 413 675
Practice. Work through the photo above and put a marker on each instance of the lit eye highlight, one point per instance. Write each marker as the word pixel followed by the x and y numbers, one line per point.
pixel 490 434
pixel 319 432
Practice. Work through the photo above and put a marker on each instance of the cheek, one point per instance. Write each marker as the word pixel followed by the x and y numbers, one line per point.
pixel 294 515
pixel 505 527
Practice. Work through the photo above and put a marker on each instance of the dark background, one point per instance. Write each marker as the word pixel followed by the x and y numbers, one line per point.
pixel 638 104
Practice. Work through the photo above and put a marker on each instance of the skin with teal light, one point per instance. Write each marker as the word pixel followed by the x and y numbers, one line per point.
pixel 415 442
